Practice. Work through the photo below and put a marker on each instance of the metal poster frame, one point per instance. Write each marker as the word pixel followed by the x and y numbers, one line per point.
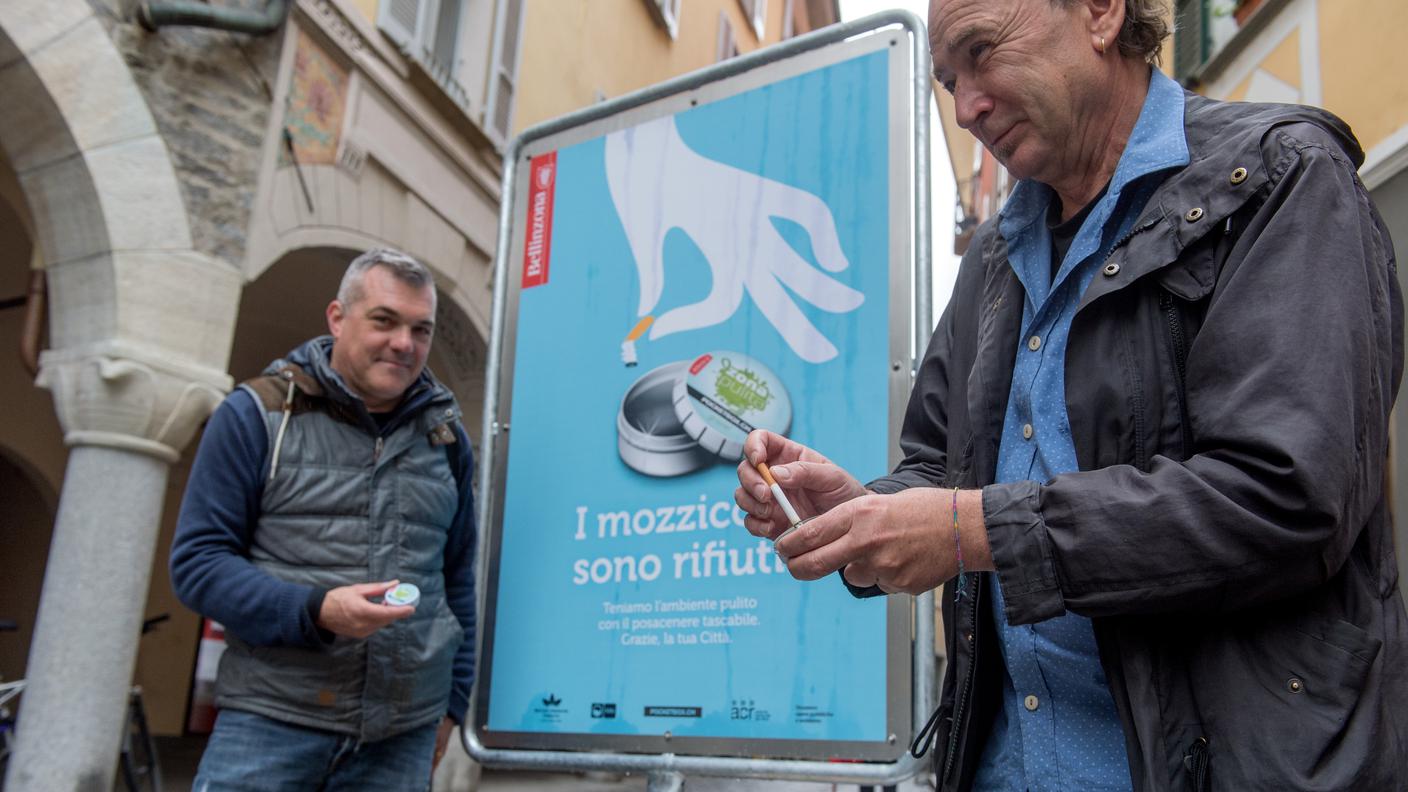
pixel 910 682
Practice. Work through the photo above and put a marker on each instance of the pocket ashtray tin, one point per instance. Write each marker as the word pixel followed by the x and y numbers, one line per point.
pixel 686 415
pixel 402 594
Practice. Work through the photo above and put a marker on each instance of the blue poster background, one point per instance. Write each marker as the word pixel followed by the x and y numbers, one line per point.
pixel 798 660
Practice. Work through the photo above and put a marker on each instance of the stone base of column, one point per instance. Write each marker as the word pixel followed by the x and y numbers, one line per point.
pixel 90 617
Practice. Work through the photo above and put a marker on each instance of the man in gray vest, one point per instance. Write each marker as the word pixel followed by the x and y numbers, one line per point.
pixel 339 475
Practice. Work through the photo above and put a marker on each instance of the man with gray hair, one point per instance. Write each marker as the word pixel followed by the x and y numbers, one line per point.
pixel 328 524
pixel 1145 448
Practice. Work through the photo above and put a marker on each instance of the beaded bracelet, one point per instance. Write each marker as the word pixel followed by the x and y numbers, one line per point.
pixel 962 584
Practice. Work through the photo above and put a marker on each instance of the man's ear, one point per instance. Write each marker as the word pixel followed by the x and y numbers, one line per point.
pixel 335 316
pixel 1106 21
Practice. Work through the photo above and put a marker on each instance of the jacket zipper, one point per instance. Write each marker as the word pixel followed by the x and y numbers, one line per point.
pixel 1179 341
pixel 967 685
pixel 376 450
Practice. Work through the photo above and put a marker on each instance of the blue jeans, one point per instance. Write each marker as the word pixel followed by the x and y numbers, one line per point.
pixel 252 753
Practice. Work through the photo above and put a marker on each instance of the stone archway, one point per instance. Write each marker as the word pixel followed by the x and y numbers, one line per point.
pixel 139 329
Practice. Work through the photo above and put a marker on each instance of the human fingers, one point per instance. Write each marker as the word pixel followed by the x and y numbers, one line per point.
pixel 762 445
pixel 369 590
pixel 829 483
pixel 750 481
pixel 348 611
pixel 770 528
pixel 751 505
pixel 821 561
pixel 374 616
pixel 817 532
pixel 860 575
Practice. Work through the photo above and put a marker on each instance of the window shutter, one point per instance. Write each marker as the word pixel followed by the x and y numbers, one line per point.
pixel 445 38
pixel 503 69
pixel 667 14
pixel 727 45
pixel 401 21
pixel 1189 38
pixel 756 11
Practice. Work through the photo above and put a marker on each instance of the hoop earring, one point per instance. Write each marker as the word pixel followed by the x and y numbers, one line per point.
pixel 1102 45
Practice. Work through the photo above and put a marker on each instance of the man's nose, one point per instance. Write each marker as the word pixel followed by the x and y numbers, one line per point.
pixel 970 104
pixel 401 339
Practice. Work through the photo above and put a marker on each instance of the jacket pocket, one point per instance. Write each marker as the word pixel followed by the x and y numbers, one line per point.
pixel 1282 701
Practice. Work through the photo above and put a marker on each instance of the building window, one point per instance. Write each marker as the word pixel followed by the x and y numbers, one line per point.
pixel 756 12
pixel 424 29
pixel 728 43
pixel 667 15
pixel 503 68
pixel 1202 28
pixel 428 31
pixel 452 42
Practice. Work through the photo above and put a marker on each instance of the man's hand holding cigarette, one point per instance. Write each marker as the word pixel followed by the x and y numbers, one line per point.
pixel 814 484
pixel 902 542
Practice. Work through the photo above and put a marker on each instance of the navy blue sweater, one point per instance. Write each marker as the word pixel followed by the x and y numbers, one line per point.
pixel 210 567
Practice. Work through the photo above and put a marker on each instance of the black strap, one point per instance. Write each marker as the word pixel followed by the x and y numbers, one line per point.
pixel 926 735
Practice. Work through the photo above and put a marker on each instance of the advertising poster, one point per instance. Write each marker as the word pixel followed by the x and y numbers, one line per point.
pixel 678 281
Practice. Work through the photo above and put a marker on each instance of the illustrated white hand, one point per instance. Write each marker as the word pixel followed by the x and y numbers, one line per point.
pixel 658 183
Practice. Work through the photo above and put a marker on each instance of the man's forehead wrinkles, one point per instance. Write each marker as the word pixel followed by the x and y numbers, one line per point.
pixel 968 31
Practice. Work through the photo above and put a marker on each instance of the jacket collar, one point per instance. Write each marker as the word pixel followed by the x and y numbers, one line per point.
pixel 1227 167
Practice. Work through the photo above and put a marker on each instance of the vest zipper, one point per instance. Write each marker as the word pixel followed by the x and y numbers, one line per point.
pixel 376 450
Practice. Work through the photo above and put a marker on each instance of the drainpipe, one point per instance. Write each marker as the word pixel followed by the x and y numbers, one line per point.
pixel 153 14
pixel 34 307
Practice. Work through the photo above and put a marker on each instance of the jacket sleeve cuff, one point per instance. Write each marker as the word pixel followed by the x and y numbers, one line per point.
pixel 312 606
pixel 457 706
pixel 1021 552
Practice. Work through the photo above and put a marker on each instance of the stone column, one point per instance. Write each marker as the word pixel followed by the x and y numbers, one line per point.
pixel 126 411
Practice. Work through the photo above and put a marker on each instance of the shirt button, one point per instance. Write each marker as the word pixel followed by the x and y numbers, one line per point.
pixel 1027 431
pixel 1034 343
pixel 1031 703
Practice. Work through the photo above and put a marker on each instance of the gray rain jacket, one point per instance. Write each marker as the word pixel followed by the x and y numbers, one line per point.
pixel 1230 374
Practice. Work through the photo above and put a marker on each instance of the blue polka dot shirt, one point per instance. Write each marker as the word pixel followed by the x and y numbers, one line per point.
pixel 1057 729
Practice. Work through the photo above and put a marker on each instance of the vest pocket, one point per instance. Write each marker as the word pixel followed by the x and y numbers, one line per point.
pixel 425 659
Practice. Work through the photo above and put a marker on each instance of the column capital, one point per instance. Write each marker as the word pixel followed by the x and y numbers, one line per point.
pixel 130 396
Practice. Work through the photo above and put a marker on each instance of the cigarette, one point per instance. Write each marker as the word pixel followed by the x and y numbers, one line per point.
pixel 640 328
pixel 778 493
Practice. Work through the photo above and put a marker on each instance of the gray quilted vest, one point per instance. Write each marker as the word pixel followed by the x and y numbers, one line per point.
pixel 342 505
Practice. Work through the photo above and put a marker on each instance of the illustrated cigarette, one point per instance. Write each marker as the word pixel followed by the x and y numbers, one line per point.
pixel 628 347
pixel 781 497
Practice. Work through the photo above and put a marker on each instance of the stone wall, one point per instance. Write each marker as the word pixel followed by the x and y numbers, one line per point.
pixel 210 93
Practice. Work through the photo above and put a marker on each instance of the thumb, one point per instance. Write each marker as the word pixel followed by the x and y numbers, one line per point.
pixel 368 590
pixel 808 475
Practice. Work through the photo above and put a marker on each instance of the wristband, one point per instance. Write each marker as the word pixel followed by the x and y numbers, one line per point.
pixel 962 584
